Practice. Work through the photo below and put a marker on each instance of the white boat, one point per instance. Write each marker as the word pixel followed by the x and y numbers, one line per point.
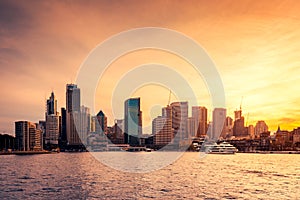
pixel 222 148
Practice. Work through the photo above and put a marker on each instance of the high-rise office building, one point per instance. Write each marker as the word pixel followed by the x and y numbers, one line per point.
pixel 52 129
pixel 251 131
pixel 72 98
pixel 101 123
pixel 52 122
pixel 179 119
pixel 219 118
pixel 239 129
pixel 199 113
pixel 260 127
pixel 51 105
pixel 83 122
pixel 72 114
pixel 28 138
pixel 228 132
pixel 63 129
pixel 132 121
pixel 162 131
pixel 191 127
pixel 237 114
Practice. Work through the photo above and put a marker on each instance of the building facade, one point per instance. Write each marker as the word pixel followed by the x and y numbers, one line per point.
pixel 28 137
pixel 199 113
pixel 161 131
pixel 219 119
pixel 72 114
pixel 52 123
pixel 179 119
pixel 132 121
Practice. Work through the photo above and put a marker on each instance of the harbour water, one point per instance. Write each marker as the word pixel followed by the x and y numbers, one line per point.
pixel 81 176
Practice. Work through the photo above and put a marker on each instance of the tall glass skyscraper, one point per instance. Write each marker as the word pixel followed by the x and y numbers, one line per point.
pixel 52 122
pixel 132 121
pixel 72 98
pixel 51 105
pixel 72 114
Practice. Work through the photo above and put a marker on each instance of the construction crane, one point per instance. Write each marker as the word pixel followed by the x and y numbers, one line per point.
pixel 169 98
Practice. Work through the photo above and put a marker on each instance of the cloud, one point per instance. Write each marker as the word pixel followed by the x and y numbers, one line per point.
pixel 14 19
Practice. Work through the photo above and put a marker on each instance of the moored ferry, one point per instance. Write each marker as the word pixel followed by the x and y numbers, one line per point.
pixel 222 148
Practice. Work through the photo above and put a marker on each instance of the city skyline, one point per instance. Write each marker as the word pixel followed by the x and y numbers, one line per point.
pixel 255 47
pixel 133 115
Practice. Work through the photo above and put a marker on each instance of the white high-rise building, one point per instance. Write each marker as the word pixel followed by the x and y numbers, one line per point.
pixel 162 131
pixel 199 113
pixel 219 117
pixel 179 119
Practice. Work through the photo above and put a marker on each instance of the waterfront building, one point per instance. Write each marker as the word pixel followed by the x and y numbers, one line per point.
pixel 161 131
pixel 83 124
pixel 191 127
pixel 52 123
pixel 72 114
pixel 62 142
pixel 251 131
pixel 117 136
pixel 27 136
pixel 179 119
pixel 228 129
pixel 101 123
pixel 72 98
pixel 296 137
pixel 260 127
pixel 219 118
pixel 132 121
pixel 6 142
pixel 51 105
pixel 239 129
pixel 52 130
pixel 199 113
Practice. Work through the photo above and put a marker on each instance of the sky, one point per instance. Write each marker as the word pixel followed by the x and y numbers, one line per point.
pixel 255 46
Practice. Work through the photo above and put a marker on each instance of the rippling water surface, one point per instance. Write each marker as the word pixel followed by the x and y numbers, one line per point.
pixel 81 176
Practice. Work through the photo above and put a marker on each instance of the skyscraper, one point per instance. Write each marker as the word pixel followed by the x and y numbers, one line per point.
pixel 219 118
pixel 52 122
pixel 239 129
pixel 51 105
pixel 63 129
pixel 132 121
pixel 228 132
pixel 101 123
pixel 162 131
pixel 83 124
pixel 191 127
pixel 72 114
pixel 179 119
pixel 72 98
pixel 199 113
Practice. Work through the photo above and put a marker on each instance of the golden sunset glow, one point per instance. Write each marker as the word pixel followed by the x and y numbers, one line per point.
pixel 254 44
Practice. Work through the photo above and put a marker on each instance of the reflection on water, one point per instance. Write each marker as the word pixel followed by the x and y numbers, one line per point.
pixel 81 176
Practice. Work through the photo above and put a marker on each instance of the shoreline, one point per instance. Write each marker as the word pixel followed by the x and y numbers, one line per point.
pixel 50 152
